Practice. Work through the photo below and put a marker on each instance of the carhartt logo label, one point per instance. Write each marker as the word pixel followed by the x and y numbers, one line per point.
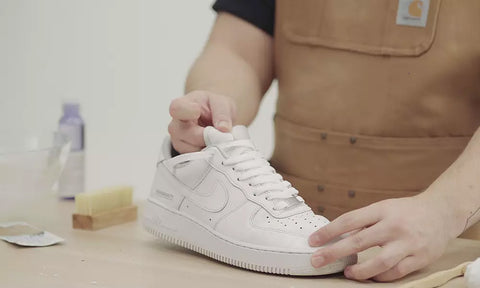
pixel 413 12
pixel 415 9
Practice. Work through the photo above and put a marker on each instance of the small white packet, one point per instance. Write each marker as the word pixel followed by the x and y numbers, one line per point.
pixel 22 234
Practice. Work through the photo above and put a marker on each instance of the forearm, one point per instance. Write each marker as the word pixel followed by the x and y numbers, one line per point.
pixel 457 190
pixel 237 62
pixel 221 71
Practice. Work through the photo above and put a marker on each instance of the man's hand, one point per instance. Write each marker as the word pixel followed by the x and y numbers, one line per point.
pixel 194 111
pixel 411 231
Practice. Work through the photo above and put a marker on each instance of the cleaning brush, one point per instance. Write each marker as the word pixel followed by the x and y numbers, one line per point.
pixel 103 208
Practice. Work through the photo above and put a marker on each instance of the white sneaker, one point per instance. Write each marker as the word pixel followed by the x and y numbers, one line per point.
pixel 228 203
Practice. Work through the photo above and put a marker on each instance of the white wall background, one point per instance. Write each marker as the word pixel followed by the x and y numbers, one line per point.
pixel 123 60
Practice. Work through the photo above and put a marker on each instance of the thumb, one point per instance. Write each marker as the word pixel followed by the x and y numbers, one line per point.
pixel 221 108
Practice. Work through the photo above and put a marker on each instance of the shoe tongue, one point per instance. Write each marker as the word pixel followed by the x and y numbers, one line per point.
pixel 214 137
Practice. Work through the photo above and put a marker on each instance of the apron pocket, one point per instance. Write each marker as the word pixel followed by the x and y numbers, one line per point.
pixel 367 162
pixel 333 200
pixel 367 26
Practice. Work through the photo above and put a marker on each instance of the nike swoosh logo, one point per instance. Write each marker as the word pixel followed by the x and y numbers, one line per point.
pixel 212 199
pixel 210 194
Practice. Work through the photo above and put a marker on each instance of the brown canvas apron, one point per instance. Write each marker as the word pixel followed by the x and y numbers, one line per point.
pixel 369 109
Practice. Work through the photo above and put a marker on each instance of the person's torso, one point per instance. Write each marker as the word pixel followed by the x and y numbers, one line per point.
pixel 369 109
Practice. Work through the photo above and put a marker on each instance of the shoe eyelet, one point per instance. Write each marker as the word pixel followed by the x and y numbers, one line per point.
pixel 223 163
pixel 254 194
pixel 238 179
pixel 250 184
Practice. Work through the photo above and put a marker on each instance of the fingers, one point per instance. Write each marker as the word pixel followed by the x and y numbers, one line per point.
pixel 352 244
pixel 222 112
pixel 185 109
pixel 390 256
pixel 411 239
pixel 186 137
pixel 183 147
pixel 187 131
pixel 205 108
pixel 348 222
pixel 403 268
pixel 194 111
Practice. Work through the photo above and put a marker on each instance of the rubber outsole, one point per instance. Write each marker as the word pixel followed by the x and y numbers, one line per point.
pixel 295 264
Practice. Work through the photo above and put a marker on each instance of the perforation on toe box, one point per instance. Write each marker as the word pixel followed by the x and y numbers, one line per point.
pixel 301 224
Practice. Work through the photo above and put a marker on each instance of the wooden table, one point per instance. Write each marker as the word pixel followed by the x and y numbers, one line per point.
pixel 126 256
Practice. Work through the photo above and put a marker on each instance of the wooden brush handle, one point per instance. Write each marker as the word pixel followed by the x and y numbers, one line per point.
pixel 105 219
pixel 439 278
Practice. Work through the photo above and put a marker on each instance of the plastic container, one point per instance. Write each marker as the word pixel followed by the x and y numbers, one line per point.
pixel 30 166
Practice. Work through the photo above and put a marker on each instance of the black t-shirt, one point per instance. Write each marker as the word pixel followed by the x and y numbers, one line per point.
pixel 260 13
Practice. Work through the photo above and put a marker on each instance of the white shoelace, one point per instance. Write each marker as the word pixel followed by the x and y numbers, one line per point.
pixel 252 168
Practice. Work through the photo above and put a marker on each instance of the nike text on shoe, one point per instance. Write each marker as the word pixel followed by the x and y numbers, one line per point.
pixel 228 203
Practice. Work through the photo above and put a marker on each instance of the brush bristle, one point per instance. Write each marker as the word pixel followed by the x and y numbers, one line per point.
pixel 103 200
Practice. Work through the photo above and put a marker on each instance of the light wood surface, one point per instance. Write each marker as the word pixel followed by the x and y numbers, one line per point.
pixel 126 256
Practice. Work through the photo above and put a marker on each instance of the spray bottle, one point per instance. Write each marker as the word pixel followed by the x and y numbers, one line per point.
pixel 71 125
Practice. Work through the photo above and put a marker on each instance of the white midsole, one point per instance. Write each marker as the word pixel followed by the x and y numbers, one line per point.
pixel 182 230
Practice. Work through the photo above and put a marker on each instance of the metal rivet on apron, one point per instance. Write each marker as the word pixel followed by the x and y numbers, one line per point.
pixel 320 188
pixel 353 140
pixel 324 136
pixel 320 209
pixel 351 193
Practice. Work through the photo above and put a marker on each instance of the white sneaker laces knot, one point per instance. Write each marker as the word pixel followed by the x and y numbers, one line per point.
pixel 252 168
